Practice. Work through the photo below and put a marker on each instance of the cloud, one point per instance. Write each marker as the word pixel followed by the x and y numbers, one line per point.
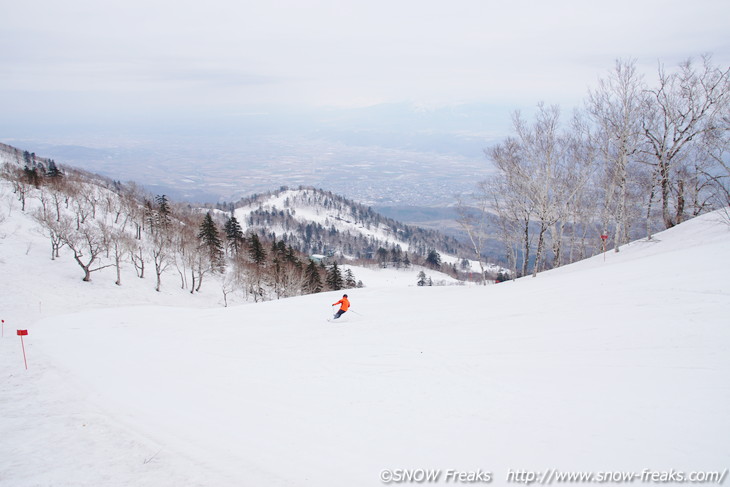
pixel 219 53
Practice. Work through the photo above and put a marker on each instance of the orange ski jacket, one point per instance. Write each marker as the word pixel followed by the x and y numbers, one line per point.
pixel 344 304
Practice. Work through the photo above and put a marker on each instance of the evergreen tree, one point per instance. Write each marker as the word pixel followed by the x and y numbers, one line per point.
pixel 32 176
pixel 291 257
pixel 164 212
pixel 256 250
pixel 433 259
pixel 234 234
pixel 382 256
pixel 279 249
pixel 395 256
pixel 312 279
pixel 421 278
pixel 53 171
pixel 406 261
pixel 334 278
pixel 350 281
pixel 211 241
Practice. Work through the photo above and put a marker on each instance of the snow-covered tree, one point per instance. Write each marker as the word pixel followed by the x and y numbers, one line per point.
pixel 617 109
pixel 350 281
pixel 686 105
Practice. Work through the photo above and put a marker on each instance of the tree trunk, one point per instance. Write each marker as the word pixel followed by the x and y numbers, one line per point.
pixel 540 249
pixel 665 186
pixel 648 211
pixel 557 243
pixel 526 251
pixel 200 282
pixel 119 271
pixel 619 236
pixel 680 202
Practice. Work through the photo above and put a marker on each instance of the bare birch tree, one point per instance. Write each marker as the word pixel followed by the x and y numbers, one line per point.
pixel 512 221
pixel 686 104
pixel 511 199
pixel 88 243
pixel 543 149
pixel 54 229
pixel 574 168
pixel 121 245
pixel 616 108
pixel 473 219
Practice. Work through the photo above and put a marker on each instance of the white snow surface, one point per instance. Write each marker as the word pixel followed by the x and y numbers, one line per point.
pixel 619 362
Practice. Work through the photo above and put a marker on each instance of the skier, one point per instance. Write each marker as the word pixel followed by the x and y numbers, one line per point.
pixel 344 306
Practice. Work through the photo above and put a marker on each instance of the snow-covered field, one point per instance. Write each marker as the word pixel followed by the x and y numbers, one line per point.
pixel 615 365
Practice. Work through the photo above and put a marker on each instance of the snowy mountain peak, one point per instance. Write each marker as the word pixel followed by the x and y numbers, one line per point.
pixel 320 222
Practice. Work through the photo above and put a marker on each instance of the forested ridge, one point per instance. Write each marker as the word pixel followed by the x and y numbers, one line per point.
pixel 316 221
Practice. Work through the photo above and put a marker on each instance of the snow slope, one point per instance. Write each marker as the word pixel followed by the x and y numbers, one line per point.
pixel 608 365
pixel 307 206
pixel 38 287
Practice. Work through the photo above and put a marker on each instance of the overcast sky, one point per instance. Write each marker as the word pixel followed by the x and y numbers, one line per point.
pixel 105 60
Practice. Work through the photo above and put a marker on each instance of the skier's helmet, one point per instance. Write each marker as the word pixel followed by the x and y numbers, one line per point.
pixel 344 295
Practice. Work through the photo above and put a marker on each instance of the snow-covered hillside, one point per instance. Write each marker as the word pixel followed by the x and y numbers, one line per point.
pixel 46 287
pixel 317 221
pixel 612 365
pixel 100 223
pixel 306 205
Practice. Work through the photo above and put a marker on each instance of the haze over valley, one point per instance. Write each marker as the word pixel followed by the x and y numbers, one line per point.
pixel 389 155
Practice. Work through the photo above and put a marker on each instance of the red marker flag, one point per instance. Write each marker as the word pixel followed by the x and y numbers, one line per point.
pixel 21 334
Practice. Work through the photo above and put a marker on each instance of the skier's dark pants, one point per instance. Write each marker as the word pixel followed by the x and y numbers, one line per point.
pixel 339 313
